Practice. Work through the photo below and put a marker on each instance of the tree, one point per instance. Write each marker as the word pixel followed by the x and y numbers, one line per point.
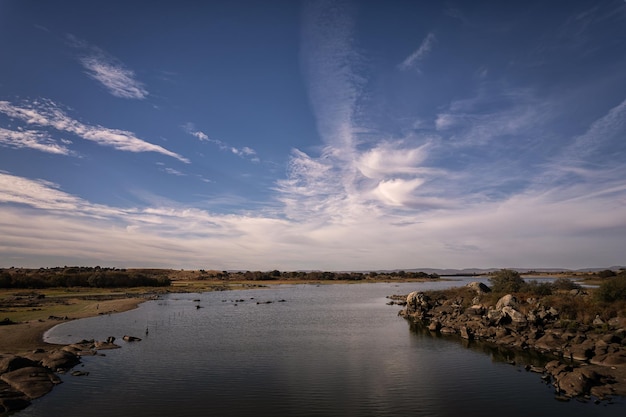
pixel 506 280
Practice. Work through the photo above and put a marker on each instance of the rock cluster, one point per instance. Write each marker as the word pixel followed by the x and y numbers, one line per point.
pixel 32 375
pixel 529 325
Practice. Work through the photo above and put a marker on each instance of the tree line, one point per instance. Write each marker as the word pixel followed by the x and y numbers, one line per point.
pixel 82 277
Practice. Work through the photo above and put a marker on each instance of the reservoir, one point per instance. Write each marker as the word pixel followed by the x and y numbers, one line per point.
pixel 293 350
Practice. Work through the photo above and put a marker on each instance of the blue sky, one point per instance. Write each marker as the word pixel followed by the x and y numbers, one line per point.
pixel 329 135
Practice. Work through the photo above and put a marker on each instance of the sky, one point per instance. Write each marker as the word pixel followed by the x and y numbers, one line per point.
pixel 323 135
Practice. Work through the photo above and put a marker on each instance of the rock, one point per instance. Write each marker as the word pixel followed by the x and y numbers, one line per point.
pixel 131 339
pixel 466 333
pixel 578 382
pixel 514 315
pixel 434 325
pixel 507 300
pixel 33 381
pixel 63 358
pixel 549 342
pixel 495 316
pixel 416 299
pixel 479 287
pixel 598 321
pixel 13 401
pixel 10 363
pixel 610 359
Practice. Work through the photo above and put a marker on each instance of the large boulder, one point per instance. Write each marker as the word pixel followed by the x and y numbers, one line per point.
pixel 33 381
pixel 10 363
pixel 479 287
pixel 507 300
pixel 56 359
pixel 515 316
pixel 416 300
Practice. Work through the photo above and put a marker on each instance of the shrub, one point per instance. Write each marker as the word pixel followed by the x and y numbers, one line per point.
pixel 607 273
pixel 506 281
pixel 539 289
pixel 613 289
pixel 565 284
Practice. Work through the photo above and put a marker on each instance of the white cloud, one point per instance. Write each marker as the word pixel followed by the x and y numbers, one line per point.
pixel 245 151
pixel 117 79
pixel 173 171
pixel 392 159
pixel 47 114
pixel 109 71
pixel 31 139
pixel 397 192
pixel 413 60
pixel 41 221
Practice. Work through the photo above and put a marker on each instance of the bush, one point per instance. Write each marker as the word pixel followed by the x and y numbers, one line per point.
pixel 565 284
pixel 539 289
pixel 607 273
pixel 613 289
pixel 506 281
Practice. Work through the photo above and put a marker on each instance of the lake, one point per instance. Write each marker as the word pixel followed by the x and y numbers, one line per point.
pixel 313 350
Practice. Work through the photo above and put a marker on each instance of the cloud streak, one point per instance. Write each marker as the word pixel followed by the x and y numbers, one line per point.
pixel 244 152
pixel 32 139
pixel 118 80
pixel 46 113
pixel 413 61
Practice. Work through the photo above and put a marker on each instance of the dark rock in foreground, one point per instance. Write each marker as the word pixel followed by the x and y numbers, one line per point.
pixel 30 376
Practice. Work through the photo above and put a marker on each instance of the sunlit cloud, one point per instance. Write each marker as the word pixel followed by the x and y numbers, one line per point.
pixel 31 139
pixel 46 113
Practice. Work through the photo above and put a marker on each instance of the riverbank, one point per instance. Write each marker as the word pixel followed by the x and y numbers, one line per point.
pixel 588 358
pixel 28 365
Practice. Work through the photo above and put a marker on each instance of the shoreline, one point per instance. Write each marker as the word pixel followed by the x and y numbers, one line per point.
pixel 27 336
pixel 29 366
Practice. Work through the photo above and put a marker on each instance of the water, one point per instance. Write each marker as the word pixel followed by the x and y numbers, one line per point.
pixel 328 350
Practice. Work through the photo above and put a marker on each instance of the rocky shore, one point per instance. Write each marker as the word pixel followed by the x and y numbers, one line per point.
pixel 589 360
pixel 28 376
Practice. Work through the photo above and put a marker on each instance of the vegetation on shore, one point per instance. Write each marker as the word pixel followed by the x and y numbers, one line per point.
pixel 606 301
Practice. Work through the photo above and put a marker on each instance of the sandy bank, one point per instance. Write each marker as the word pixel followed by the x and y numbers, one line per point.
pixel 28 336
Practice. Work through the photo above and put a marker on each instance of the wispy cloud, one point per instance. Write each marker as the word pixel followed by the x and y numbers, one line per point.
pixel 39 219
pixel 119 80
pixel 31 139
pixel 175 172
pixel 244 152
pixel 413 61
pixel 46 113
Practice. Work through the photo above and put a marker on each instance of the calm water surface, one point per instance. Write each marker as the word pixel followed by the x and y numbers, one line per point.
pixel 328 350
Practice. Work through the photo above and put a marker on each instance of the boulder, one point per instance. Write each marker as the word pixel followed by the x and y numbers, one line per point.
pixel 578 382
pixel 127 338
pixel 416 299
pixel 479 287
pixel 466 333
pixel 56 359
pixel 507 300
pixel 434 325
pixel 10 363
pixel 33 381
pixel 515 316
pixel 549 342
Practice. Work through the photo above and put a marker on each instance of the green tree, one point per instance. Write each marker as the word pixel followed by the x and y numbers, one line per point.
pixel 506 280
